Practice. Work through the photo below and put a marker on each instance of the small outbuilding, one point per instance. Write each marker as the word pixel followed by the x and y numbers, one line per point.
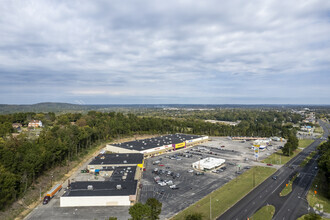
pixel 208 163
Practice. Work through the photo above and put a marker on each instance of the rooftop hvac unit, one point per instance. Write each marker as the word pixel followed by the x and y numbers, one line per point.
pixel 128 168
pixel 142 147
pixel 125 161
pixel 102 158
pixel 90 187
pixel 118 187
pixel 117 155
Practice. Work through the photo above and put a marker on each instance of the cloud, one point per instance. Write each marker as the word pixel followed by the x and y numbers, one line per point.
pixel 175 51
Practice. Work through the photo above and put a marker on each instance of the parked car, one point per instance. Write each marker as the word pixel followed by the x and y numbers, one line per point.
pixel 190 171
pixel 174 187
pixel 169 182
pixel 274 177
pixel 269 164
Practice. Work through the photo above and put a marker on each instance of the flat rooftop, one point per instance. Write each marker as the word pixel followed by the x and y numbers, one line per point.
pixel 145 144
pixel 104 188
pixel 119 172
pixel 107 159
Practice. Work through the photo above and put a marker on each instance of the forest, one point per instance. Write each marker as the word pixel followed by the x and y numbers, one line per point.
pixel 65 136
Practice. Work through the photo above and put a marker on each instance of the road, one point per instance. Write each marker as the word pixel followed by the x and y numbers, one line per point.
pixel 288 207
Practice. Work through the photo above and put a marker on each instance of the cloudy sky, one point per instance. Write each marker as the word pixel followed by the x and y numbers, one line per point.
pixel 158 52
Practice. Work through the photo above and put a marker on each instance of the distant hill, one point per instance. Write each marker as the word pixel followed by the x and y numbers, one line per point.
pixel 43 107
pixel 67 107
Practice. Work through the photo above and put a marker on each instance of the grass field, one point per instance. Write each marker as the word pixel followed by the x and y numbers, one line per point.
pixel 279 158
pixel 319 198
pixel 265 213
pixel 288 188
pixel 226 196
pixel 318 130
pixel 305 142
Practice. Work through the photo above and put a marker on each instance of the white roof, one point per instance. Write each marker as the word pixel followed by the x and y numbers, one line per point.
pixel 209 162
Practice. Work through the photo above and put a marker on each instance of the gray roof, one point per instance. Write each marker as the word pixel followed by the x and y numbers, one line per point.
pixel 140 145
pixel 107 188
pixel 102 188
pixel 107 159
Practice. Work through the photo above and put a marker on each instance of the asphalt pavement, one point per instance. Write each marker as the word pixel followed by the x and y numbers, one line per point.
pixel 291 206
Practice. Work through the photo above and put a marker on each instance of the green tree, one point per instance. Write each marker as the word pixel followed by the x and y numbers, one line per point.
pixel 312 216
pixel 194 216
pixel 324 166
pixel 291 145
pixel 155 207
pixel 7 188
pixel 112 218
pixel 139 211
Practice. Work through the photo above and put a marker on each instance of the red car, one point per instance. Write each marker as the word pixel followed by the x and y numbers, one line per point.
pixel 161 165
pixel 269 164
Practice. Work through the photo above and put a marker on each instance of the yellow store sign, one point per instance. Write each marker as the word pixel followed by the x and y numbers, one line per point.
pixel 180 145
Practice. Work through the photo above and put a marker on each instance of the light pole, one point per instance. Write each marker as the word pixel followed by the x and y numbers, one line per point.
pixel 51 181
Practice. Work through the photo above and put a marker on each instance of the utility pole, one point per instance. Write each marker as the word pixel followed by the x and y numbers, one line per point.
pixel 210 208
pixel 254 178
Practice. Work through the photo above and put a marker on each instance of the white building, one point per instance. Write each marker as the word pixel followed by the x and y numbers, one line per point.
pixel 105 193
pixel 157 145
pixel 208 163
pixel 35 124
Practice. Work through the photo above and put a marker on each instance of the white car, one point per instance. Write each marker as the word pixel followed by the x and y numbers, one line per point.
pixel 162 184
pixel 169 182
pixel 190 171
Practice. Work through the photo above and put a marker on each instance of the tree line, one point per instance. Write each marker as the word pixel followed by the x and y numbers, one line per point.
pixel 66 136
pixel 324 167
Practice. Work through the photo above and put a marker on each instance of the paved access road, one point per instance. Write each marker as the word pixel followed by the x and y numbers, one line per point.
pixel 288 207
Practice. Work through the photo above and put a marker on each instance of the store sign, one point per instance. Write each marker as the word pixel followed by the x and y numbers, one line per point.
pixel 180 145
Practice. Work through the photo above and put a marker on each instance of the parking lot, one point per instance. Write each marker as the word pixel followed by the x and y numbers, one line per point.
pixel 191 187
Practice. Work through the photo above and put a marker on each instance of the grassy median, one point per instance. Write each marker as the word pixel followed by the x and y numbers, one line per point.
pixel 288 187
pixel 227 195
pixel 265 213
